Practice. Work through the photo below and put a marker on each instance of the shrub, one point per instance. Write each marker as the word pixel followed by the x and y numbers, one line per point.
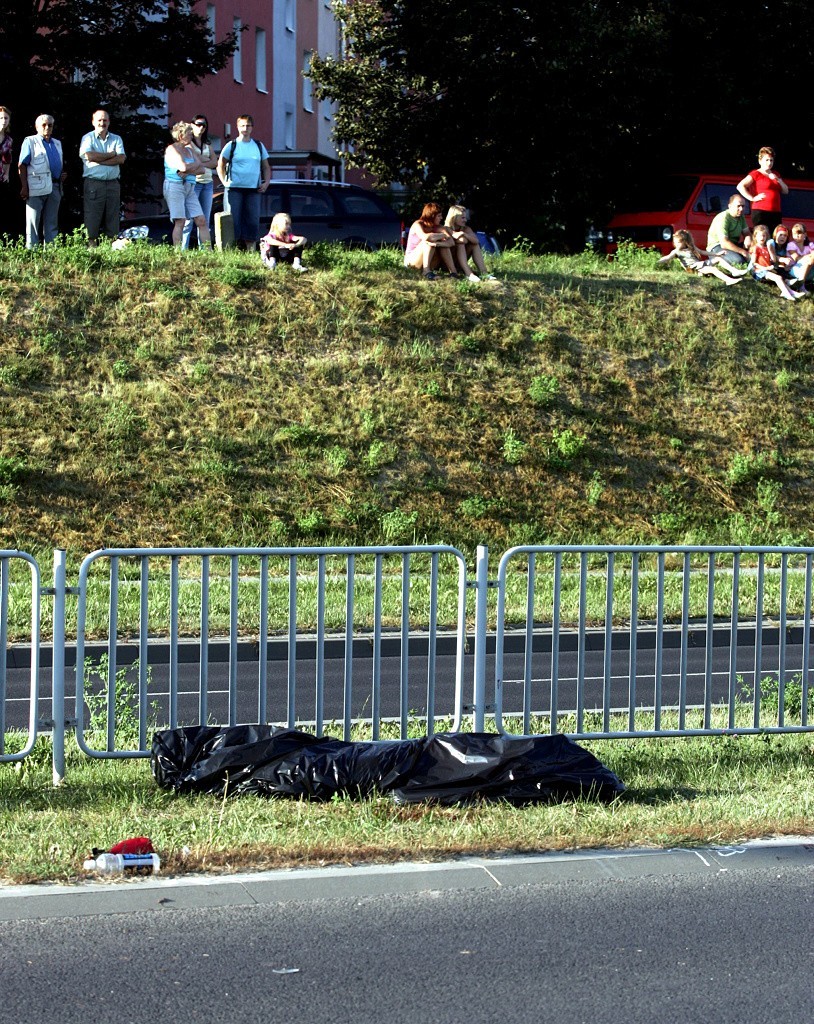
pixel 543 389
pixel 630 256
pixel 750 466
pixel 398 525
pixel 514 449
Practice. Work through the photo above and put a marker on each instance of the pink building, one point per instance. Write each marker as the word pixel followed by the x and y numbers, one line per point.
pixel 264 78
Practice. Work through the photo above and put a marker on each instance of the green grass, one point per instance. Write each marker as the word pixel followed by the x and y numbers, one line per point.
pixel 154 397
pixel 151 397
pixel 679 793
pixel 419 600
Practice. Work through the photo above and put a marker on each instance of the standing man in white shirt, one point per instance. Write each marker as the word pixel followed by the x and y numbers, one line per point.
pixel 41 177
pixel 102 154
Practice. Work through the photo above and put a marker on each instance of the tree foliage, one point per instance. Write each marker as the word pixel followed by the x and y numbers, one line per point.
pixel 69 57
pixel 544 115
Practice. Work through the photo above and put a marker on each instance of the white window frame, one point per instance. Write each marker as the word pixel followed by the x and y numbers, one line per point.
pixel 307 90
pixel 211 16
pixel 260 60
pixel 237 56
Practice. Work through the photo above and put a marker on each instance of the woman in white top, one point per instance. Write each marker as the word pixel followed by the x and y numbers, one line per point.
pixel 467 245
pixel 203 182
pixel 180 168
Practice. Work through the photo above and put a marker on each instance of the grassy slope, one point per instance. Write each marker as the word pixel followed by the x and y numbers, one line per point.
pixel 149 397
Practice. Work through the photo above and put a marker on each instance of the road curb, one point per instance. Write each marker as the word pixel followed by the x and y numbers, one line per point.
pixel 185 892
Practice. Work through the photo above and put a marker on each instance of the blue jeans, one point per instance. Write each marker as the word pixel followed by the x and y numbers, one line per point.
pixel 734 258
pixel 42 211
pixel 244 206
pixel 203 190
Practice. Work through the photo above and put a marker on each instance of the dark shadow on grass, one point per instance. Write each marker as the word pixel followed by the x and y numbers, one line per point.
pixel 659 795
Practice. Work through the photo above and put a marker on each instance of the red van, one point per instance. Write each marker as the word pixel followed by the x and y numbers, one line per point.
pixel 690 201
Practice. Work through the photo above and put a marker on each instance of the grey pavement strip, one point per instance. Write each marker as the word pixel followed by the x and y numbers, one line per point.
pixel 162 893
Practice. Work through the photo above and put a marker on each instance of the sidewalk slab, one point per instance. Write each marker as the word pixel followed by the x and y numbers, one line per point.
pixel 185 892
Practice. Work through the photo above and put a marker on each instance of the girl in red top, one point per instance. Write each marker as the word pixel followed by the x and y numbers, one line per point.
pixel 763 263
pixel 764 189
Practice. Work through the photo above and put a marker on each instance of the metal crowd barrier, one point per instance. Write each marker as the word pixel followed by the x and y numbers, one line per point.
pixel 586 652
pixel 213 607
pixel 593 641
pixel 26 583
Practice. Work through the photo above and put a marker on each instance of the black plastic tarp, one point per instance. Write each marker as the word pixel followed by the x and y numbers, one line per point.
pixel 447 768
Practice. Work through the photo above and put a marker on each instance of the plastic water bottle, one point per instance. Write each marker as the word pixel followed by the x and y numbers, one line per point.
pixel 124 863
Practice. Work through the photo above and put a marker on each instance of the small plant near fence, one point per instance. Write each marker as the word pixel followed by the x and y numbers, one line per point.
pixel 125 704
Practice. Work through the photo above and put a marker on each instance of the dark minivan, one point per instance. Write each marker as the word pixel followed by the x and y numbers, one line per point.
pixel 323 211
pixel 328 211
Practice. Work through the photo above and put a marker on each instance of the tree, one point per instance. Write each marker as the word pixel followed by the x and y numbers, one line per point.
pixel 543 116
pixel 514 108
pixel 70 57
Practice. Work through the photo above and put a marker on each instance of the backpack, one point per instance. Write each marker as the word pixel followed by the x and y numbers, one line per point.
pixel 232 156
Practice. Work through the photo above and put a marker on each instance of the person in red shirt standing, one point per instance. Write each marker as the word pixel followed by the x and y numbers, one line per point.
pixel 764 190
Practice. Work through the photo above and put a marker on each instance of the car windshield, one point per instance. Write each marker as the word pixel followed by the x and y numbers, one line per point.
pixel 668 193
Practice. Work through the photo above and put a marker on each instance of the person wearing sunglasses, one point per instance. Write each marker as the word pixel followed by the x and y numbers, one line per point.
pixel 202 149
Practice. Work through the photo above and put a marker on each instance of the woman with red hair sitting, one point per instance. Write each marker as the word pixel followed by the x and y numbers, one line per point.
pixel 429 245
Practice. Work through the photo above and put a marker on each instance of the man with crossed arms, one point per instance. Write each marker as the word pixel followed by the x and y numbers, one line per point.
pixel 102 154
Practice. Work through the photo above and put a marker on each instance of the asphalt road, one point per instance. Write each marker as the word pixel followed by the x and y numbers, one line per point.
pixel 416 699
pixel 696 938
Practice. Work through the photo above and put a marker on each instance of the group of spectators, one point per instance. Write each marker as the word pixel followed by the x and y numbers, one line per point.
pixel 189 163
pixel 769 251
pixel 41 166
pixel 452 245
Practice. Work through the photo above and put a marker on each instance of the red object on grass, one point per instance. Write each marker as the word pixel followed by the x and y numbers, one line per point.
pixel 141 844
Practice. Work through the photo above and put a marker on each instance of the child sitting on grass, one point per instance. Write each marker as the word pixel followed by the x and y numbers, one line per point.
pixel 281 245
pixel 699 261
pixel 801 253
pixel 764 265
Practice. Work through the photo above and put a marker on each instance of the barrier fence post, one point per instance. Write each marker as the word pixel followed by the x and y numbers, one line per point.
pixel 481 594
pixel 58 671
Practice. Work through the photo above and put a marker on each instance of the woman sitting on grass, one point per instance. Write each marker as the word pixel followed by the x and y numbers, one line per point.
pixel 764 265
pixel 429 245
pixel 467 246
pixel 281 245
pixel 699 261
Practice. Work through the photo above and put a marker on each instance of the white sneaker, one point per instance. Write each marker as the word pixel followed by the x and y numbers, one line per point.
pixel 474 278
pixel 299 268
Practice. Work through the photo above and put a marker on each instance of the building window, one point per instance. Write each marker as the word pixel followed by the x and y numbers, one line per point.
pixel 210 21
pixel 237 56
pixel 289 129
pixel 260 59
pixel 290 16
pixel 307 93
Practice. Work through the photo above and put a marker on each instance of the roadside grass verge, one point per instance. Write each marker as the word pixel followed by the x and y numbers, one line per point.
pixel 768 588
pixel 150 397
pixel 680 792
